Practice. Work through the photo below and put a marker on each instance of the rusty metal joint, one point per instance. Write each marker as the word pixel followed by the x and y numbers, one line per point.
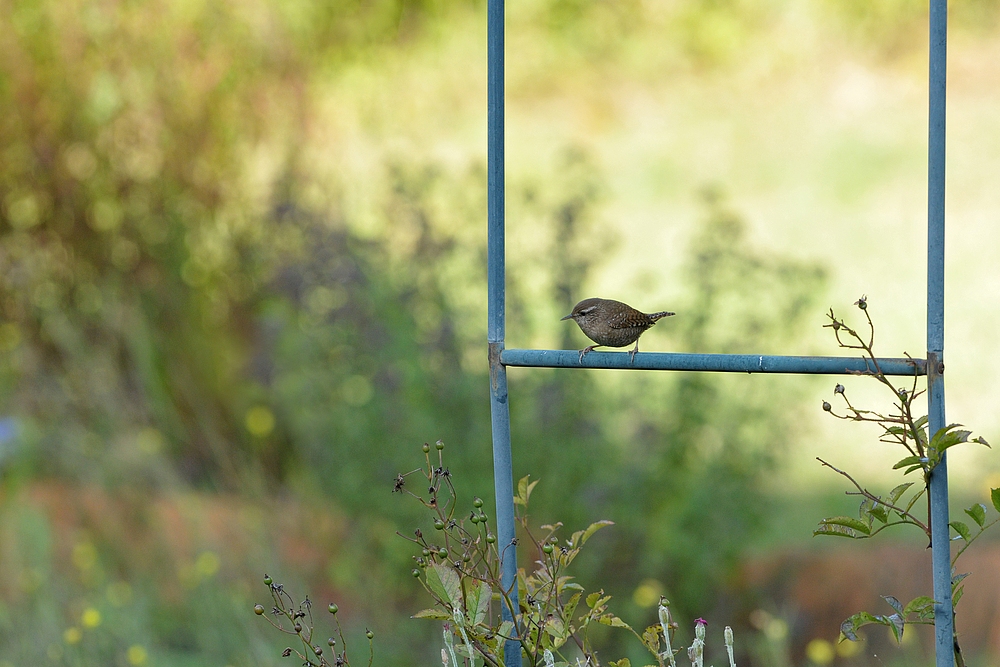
pixel 935 367
pixel 495 348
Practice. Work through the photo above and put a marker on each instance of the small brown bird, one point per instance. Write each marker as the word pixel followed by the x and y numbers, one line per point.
pixel 612 323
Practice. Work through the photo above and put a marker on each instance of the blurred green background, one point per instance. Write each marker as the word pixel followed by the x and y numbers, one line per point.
pixel 242 249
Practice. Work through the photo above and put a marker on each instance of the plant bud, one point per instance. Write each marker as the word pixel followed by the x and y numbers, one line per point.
pixel 333 608
pixel 839 389
pixel 369 634
pixel 267 580
pixel 439 445
pixel 827 407
pixel 477 502
pixel 258 609
pixel 426 448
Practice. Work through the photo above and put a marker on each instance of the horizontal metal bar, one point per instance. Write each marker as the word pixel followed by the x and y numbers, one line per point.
pixel 725 363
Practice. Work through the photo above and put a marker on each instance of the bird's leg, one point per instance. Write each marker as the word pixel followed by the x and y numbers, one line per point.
pixel 584 351
pixel 631 353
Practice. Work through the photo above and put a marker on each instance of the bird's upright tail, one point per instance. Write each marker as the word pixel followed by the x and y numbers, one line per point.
pixel 660 315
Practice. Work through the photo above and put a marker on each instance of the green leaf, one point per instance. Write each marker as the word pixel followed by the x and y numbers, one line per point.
pixel 435 614
pixel 949 436
pixel 849 628
pixel 908 461
pixel 556 629
pixel 591 529
pixel 920 606
pixel 595 599
pixel 613 621
pixel 879 512
pixel 624 662
pixel 978 513
pixel 956 578
pixel 981 441
pixel 478 602
pixel 897 492
pixel 957 595
pixel 570 607
pixel 895 623
pixel 894 603
pixel 995 498
pixel 847 522
pixel 444 582
pixel 651 638
pixel 962 529
pixel 524 489
pixel 837 531
pixel 506 629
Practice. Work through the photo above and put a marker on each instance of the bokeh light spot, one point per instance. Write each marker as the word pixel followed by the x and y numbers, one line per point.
pixel 91 618
pixel 207 564
pixel 820 651
pixel 357 390
pixel 137 655
pixel 84 555
pixel 260 421
pixel 647 593
pixel 849 649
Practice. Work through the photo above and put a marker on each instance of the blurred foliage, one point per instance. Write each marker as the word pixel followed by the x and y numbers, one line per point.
pixel 189 306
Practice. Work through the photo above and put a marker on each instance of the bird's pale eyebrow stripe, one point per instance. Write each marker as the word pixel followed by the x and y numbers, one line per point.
pixel 589 309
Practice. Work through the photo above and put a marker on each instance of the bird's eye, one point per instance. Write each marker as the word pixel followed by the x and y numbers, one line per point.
pixel 588 311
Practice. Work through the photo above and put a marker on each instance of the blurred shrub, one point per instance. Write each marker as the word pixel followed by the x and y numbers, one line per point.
pixel 186 303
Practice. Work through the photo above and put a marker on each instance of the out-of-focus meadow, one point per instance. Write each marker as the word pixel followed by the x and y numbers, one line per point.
pixel 242 279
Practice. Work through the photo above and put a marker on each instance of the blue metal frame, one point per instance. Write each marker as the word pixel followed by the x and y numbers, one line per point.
pixel 944 617
pixel 933 366
pixel 503 474
pixel 721 363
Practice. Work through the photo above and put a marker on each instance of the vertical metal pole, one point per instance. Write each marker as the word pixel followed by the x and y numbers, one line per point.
pixel 503 477
pixel 940 544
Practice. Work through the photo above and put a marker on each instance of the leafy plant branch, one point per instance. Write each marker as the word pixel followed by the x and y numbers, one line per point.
pixel 460 565
pixel 901 427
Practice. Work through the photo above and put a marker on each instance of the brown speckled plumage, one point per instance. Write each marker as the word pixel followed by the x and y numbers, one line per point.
pixel 612 323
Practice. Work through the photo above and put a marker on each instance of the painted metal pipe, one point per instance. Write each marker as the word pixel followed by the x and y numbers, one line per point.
pixel 725 363
pixel 503 476
pixel 944 617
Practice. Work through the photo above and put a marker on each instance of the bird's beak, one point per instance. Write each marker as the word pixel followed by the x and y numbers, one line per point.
pixel 568 317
